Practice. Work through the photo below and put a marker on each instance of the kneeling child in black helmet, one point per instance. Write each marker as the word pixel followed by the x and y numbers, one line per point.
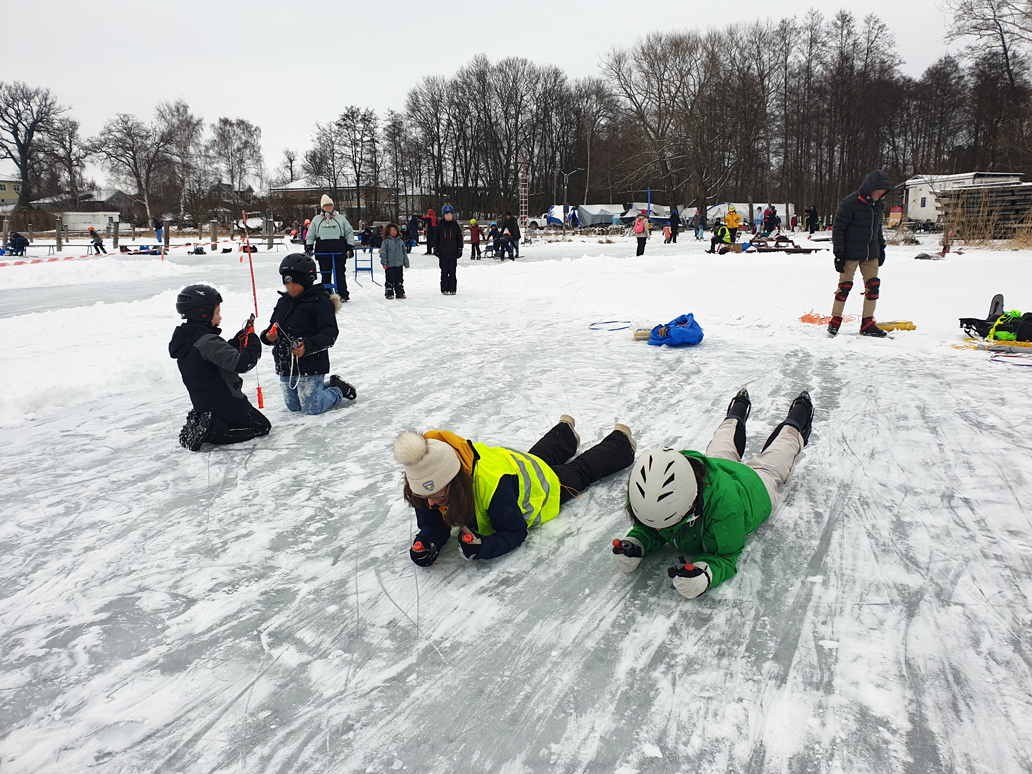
pixel 301 331
pixel 211 369
pixel 705 504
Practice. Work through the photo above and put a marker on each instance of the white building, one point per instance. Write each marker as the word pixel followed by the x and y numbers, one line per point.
pixel 922 203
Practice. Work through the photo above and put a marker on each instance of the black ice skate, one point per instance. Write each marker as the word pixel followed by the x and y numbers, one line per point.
pixel 346 389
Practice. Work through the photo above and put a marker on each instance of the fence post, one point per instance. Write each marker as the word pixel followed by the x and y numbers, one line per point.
pixel 213 229
pixel 107 231
pixel 200 231
pixel 132 231
pixel 58 230
pixel 165 234
pixel 114 236
pixel 270 226
pixel 30 232
pixel 7 229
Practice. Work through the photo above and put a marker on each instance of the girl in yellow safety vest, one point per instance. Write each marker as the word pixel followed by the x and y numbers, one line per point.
pixel 493 494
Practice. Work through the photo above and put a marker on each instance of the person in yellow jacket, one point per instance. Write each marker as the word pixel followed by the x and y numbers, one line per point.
pixel 493 494
pixel 733 221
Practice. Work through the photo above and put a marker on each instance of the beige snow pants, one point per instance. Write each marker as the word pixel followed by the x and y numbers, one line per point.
pixel 773 465
pixel 868 270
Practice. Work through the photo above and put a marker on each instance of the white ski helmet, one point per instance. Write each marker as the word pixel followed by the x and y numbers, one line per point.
pixel 662 488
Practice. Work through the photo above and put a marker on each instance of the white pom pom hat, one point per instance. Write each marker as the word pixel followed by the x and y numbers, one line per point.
pixel 325 200
pixel 430 465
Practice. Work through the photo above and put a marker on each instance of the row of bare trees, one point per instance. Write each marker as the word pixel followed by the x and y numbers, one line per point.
pixel 796 110
pixel 172 162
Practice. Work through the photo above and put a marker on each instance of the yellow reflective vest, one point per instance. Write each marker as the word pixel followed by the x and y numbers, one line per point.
pixel 538 485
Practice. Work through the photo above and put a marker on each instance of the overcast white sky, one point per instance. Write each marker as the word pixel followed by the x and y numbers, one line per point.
pixel 285 66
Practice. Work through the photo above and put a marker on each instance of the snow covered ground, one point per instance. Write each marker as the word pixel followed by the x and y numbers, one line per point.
pixel 253 608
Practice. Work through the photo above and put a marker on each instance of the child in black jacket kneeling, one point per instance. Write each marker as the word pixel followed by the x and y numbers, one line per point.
pixel 302 329
pixel 211 368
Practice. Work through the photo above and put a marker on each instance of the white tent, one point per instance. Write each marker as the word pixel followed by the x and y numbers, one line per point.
pixel 598 214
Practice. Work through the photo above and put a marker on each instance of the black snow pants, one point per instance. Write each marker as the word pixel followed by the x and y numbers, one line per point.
pixel 641 245
pixel 243 423
pixel 394 281
pixel 331 255
pixel 612 454
pixel 448 281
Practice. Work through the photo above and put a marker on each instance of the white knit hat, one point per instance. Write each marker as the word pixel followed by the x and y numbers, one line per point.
pixel 430 465
pixel 326 200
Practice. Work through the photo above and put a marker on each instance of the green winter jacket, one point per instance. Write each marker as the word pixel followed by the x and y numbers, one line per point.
pixel 734 503
pixel 392 253
pixel 326 226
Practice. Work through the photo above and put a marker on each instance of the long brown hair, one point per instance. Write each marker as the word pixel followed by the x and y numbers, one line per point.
pixel 700 479
pixel 461 509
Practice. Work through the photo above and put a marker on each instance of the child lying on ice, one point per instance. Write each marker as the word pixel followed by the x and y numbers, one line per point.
pixel 705 504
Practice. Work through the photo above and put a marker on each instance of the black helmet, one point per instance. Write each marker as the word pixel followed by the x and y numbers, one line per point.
pixel 299 268
pixel 198 302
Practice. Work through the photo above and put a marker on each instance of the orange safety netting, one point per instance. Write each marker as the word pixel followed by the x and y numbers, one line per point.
pixel 820 319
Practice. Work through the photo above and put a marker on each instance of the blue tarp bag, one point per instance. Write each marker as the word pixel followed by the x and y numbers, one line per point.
pixel 682 332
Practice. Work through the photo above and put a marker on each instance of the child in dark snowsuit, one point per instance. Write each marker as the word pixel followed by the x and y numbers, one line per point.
pixel 302 329
pixel 448 243
pixel 211 369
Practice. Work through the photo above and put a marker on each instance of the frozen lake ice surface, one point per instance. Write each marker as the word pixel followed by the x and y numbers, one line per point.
pixel 252 608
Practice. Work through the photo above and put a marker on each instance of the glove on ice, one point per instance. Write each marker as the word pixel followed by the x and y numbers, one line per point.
pixel 423 554
pixel 627 553
pixel 691 580
pixel 469 544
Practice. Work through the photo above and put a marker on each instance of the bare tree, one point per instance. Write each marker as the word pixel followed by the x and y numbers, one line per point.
pixel 290 166
pixel 27 115
pixel 324 162
pixel 68 151
pixel 358 130
pixel 184 151
pixel 134 153
pixel 235 149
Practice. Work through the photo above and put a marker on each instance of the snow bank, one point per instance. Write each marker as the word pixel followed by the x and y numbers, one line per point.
pixel 82 271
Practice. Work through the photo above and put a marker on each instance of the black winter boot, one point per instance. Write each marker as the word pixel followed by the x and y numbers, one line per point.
pixel 868 327
pixel 800 416
pixel 346 389
pixel 833 326
pixel 740 406
pixel 194 435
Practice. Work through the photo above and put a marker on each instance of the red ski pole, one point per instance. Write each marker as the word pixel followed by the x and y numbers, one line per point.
pixel 254 289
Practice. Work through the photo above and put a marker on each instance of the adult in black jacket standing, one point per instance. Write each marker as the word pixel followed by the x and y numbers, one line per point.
pixel 858 241
pixel 211 368
pixel 811 218
pixel 512 225
pixel 302 329
pixel 675 224
pixel 448 243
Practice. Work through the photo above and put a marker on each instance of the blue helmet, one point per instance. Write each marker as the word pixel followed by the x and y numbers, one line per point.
pixel 446 209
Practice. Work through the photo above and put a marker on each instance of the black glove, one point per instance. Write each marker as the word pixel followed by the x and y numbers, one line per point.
pixel 349 252
pixel 469 544
pixel 309 249
pixel 840 264
pixel 423 554
pixel 881 260
pixel 690 580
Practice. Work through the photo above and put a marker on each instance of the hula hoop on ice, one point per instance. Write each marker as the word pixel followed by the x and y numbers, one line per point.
pixel 1023 361
pixel 624 325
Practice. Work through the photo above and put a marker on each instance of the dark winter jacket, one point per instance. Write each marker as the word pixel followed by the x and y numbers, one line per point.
pixel 413 228
pixel 447 239
pixel 857 233
pixel 97 238
pixel 312 316
pixel 811 216
pixel 210 366
pixel 514 227
pixel 675 220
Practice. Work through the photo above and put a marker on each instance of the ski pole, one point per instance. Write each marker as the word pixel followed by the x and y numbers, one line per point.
pixel 254 289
